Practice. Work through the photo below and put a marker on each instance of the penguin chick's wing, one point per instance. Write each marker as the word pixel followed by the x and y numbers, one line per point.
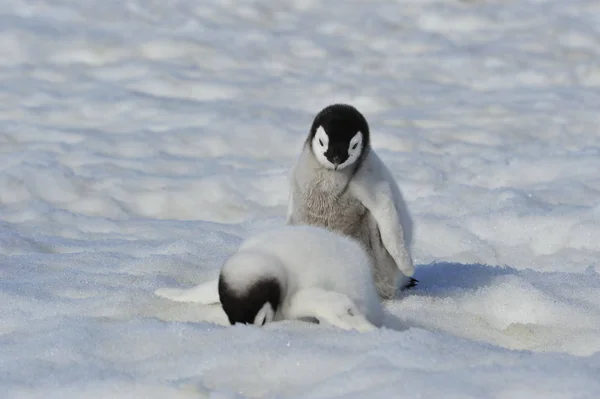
pixel 206 293
pixel 291 194
pixel 374 186
pixel 331 307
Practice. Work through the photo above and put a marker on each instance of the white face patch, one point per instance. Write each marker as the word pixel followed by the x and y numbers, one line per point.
pixel 264 315
pixel 354 150
pixel 320 145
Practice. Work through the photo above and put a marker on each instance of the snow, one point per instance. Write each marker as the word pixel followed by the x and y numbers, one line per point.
pixel 141 141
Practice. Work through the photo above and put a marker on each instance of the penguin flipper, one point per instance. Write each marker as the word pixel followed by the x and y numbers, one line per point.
pixel 206 293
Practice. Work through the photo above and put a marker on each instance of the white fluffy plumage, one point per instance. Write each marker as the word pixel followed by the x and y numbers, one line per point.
pixel 361 199
pixel 322 275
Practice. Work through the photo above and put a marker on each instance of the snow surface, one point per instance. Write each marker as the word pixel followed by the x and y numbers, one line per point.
pixel 142 140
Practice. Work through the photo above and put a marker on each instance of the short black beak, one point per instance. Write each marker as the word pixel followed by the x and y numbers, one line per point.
pixel 336 161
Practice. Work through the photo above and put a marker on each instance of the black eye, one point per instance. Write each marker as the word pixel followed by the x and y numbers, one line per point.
pixel 354 146
pixel 320 142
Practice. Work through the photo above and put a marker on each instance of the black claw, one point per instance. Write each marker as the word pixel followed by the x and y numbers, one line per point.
pixel 412 283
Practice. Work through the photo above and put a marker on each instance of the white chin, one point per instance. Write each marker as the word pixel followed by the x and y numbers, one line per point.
pixel 330 166
pixel 326 164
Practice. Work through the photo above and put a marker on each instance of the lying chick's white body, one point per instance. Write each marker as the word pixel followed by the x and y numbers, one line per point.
pixel 319 274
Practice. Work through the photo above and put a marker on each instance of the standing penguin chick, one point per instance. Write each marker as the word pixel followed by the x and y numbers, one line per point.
pixel 299 272
pixel 339 183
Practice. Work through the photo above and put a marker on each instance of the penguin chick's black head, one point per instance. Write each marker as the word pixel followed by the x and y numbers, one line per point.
pixel 339 136
pixel 242 306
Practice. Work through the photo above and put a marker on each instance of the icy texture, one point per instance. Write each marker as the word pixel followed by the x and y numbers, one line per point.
pixel 141 141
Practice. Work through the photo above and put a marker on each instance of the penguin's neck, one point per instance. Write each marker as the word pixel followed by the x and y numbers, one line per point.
pixel 322 179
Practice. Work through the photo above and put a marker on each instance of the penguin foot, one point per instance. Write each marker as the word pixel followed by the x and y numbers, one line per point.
pixel 411 284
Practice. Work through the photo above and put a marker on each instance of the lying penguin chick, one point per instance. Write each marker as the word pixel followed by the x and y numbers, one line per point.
pixel 339 183
pixel 300 272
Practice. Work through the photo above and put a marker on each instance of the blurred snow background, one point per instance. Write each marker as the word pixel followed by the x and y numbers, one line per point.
pixel 141 140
